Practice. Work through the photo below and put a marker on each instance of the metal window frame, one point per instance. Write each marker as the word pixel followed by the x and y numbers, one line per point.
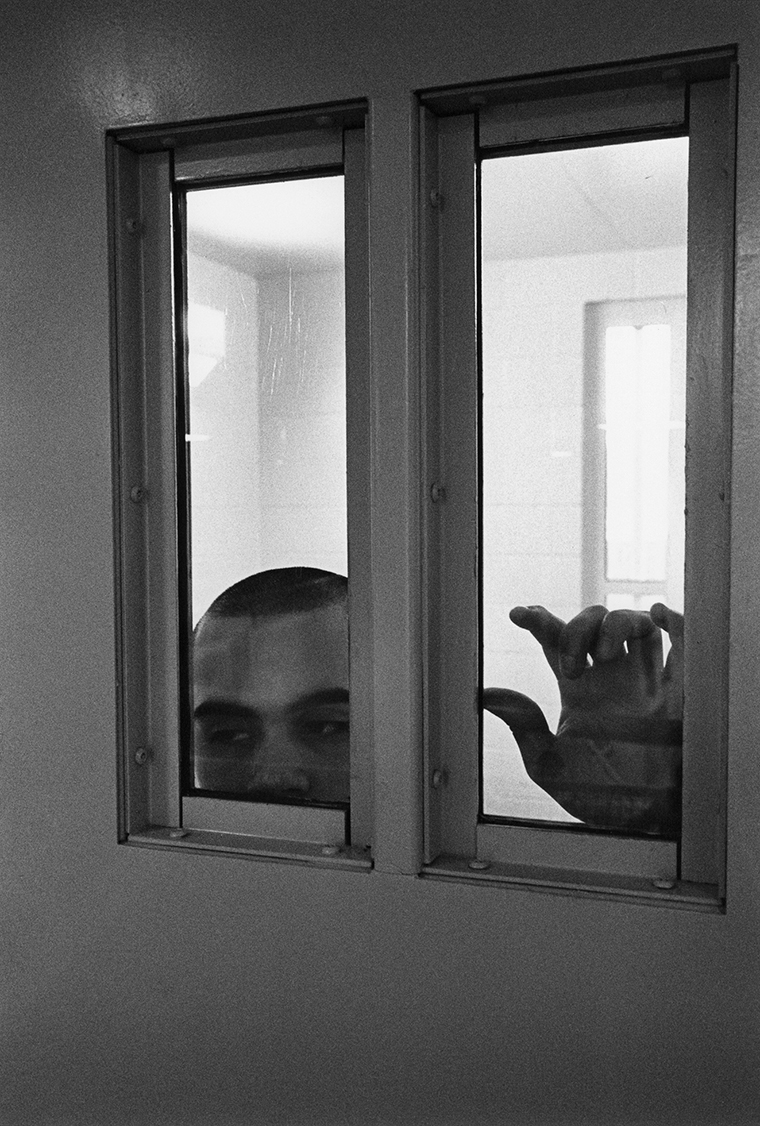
pixel 694 94
pixel 146 169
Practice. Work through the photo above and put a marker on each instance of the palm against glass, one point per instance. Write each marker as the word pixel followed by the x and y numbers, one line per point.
pixel 615 761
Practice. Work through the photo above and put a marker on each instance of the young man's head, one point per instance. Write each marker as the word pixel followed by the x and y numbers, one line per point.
pixel 270 686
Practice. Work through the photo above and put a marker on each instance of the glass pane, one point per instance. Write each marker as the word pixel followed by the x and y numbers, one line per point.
pixel 266 409
pixel 583 282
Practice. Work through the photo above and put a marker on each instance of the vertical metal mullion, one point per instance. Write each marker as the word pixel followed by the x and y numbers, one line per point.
pixel 396 584
pixel 432 476
pixel 709 302
pixel 160 488
pixel 454 651
pixel 359 484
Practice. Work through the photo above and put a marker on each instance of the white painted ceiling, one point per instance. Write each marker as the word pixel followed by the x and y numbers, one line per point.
pixel 586 201
pixel 578 201
pixel 268 227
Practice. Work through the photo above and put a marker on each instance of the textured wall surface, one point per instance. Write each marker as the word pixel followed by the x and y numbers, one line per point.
pixel 143 988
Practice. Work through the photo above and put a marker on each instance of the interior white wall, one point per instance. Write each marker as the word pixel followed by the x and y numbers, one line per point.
pixel 223 415
pixel 268 445
pixel 142 988
pixel 302 373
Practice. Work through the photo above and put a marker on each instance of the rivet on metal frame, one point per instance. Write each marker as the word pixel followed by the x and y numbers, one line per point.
pixel 479 865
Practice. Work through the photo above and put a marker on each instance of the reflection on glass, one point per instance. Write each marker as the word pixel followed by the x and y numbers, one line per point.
pixel 267 481
pixel 582 463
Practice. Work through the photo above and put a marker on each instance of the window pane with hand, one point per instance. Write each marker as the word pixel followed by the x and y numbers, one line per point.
pixel 583 281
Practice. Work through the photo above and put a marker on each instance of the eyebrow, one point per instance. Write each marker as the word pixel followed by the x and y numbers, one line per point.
pixel 231 709
pixel 210 709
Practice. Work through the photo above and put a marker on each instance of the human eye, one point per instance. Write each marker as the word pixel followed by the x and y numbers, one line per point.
pixel 325 726
pixel 328 727
pixel 226 736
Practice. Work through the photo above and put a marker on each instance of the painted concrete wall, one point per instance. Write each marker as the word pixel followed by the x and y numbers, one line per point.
pixel 142 987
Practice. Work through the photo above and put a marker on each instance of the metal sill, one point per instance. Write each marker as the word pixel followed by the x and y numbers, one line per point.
pixel 597 885
pixel 253 848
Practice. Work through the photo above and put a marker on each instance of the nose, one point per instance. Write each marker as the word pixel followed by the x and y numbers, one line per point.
pixel 277 768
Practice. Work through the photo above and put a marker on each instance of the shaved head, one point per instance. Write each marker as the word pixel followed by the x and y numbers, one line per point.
pixel 285 590
pixel 270 686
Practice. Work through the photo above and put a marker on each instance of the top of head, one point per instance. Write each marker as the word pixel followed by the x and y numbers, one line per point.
pixel 283 590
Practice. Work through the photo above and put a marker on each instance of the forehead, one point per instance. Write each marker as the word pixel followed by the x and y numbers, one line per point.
pixel 270 661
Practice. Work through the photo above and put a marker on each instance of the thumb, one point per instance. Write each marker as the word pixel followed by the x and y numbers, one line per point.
pixel 519 712
pixel 529 727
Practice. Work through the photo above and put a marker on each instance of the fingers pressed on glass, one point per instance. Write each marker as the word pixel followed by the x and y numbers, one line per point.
pixel 635 631
pixel 669 620
pixel 544 625
pixel 579 639
pixel 619 627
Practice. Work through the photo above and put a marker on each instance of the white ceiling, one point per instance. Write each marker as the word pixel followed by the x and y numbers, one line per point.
pixel 578 201
pixel 586 201
pixel 267 227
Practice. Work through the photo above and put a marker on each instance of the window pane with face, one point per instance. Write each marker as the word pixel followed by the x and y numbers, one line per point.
pixel 266 411
pixel 583 282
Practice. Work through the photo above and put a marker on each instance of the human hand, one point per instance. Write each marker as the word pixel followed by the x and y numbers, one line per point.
pixel 615 761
